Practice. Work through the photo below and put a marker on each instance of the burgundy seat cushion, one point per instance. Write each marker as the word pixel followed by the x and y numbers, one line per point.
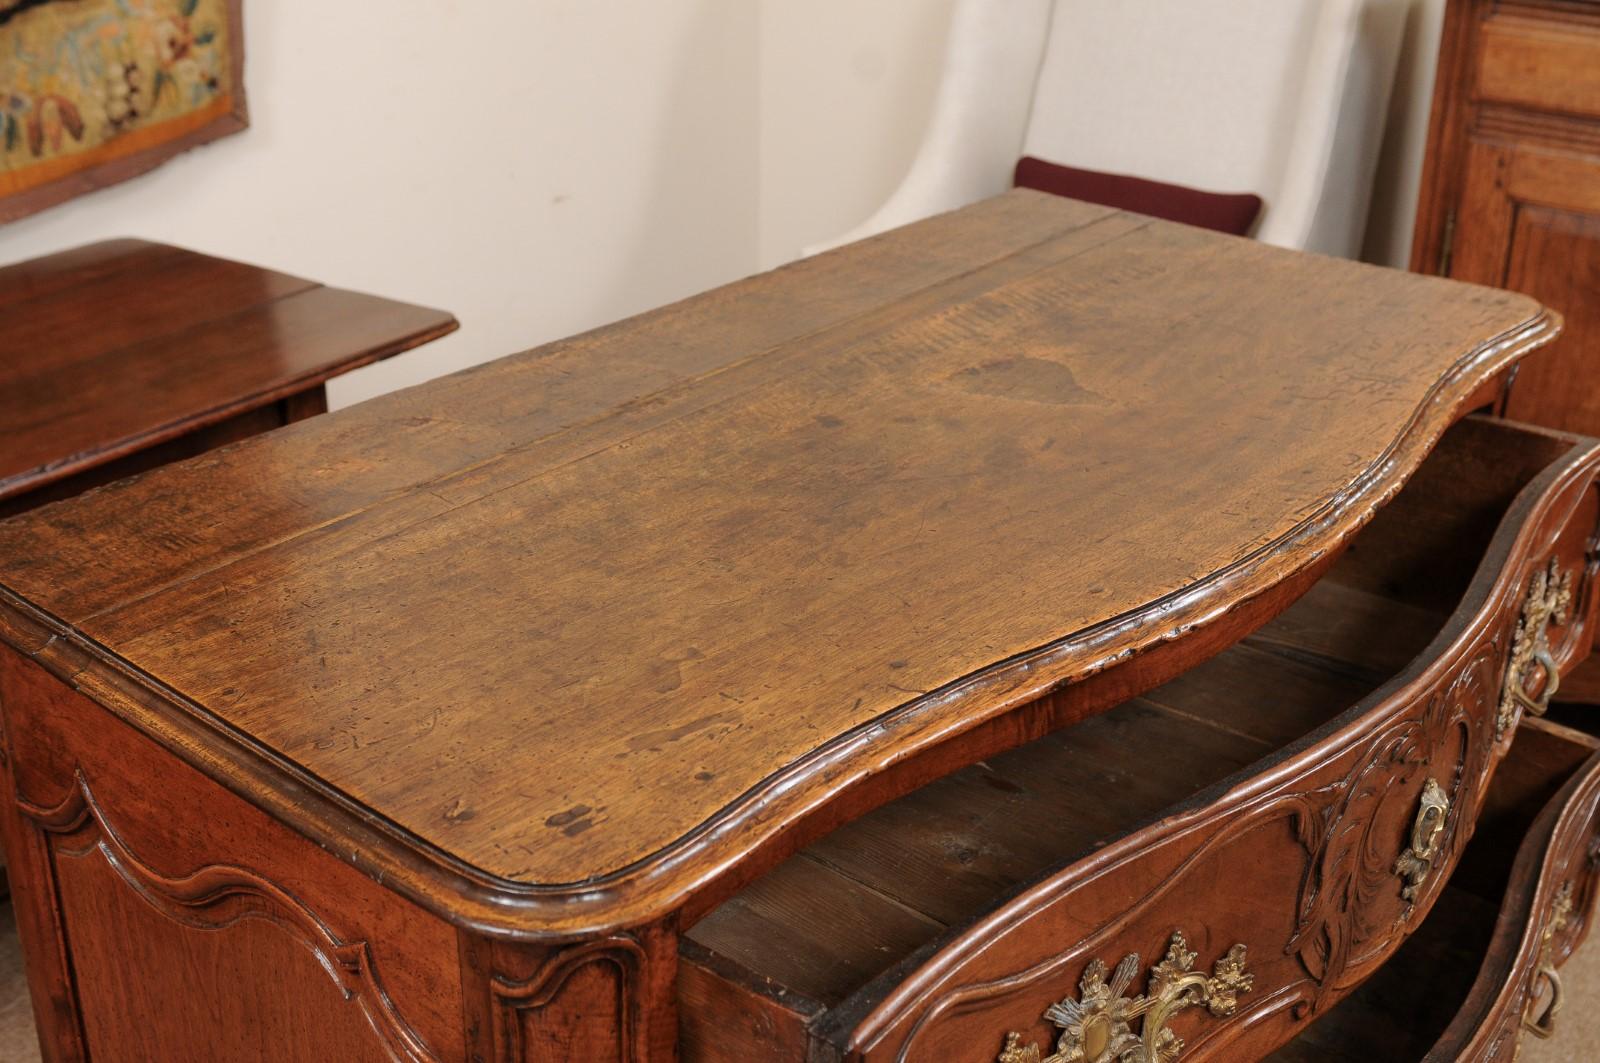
pixel 1225 212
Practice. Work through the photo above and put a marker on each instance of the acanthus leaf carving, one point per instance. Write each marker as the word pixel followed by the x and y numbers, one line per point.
pixel 1340 925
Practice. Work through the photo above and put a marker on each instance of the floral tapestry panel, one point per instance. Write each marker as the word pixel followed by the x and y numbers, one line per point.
pixel 96 91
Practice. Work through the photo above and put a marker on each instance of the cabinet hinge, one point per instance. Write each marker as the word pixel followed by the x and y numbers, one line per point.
pixel 1447 246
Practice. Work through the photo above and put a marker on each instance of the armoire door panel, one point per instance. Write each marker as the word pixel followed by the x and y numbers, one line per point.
pixel 1511 182
pixel 1554 178
pixel 1480 237
pixel 1528 64
pixel 1529 220
pixel 1555 257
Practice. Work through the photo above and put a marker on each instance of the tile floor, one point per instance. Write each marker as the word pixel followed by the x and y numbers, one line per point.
pixel 18 1043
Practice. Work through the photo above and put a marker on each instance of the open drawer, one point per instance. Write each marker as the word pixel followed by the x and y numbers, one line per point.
pixel 1482 972
pixel 1207 868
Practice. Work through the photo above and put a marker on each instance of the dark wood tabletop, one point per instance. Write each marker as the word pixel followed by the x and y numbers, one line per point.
pixel 553 642
pixel 114 348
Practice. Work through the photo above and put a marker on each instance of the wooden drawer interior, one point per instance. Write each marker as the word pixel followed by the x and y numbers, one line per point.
pixel 835 926
pixel 1403 1011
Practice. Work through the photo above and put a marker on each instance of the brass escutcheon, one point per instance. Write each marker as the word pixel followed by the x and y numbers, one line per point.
pixel 1097 1027
pixel 1416 862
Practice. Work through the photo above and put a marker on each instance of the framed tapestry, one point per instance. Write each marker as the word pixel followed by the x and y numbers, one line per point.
pixel 96 91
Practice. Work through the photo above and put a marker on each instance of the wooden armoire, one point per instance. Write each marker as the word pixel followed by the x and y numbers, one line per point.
pixel 1511 187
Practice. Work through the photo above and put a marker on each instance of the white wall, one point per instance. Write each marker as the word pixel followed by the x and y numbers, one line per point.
pixel 546 166
pixel 847 87
pixel 1394 200
pixel 537 167
pixel 846 90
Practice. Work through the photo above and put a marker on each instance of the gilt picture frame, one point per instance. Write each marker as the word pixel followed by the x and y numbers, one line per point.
pixel 93 92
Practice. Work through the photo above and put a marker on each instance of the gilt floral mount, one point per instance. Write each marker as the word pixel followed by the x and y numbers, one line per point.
pixel 97 91
pixel 1098 1027
pixel 1548 602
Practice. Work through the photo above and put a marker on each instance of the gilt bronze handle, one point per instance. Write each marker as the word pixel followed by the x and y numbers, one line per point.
pixel 1552 679
pixel 1548 601
pixel 1543 1024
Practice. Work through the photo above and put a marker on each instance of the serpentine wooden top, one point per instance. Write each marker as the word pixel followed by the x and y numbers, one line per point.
pixel 550 642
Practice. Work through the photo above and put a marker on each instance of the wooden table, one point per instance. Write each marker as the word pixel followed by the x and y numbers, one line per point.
pixel 124 355
pixel 469 701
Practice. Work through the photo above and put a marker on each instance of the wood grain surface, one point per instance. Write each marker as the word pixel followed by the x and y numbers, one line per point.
pixel 115 347
pixel 589 626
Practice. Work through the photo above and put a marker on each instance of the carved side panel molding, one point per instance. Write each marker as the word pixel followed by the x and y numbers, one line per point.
pixel 533 1015
pixel 219 896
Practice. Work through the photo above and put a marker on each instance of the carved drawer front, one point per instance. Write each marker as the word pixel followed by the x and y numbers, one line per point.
pixel 1174 914
pixel 1220 930
pixel 1226 927
pixel 1481 976
pixel 1545 916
